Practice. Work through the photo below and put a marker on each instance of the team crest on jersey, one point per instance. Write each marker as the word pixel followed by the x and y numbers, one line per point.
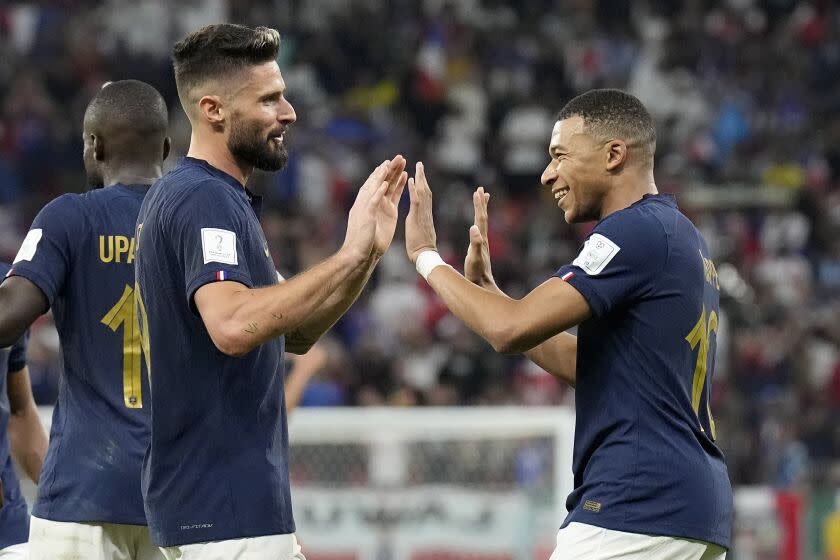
pixel 218 245
pixel 596 254
pixel 29 245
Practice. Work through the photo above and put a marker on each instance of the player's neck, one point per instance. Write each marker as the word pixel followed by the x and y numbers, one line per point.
pixel 133 174
pixel 218 155
pixel 628 192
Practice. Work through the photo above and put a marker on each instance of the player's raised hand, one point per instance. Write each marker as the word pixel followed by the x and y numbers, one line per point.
pixel 387 210
pixel 477 264
pixel 419 224
pixel 361 222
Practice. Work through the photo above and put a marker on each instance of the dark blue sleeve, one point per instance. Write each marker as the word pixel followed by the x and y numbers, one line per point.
pixel 618 261
pixel 46 254
pixel 209 230
pixel 17 357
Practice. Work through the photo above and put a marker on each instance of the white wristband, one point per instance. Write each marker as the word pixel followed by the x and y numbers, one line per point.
pixel 427 261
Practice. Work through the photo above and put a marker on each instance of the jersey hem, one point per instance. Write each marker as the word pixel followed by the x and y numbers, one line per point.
pixel 654 529
pixel 169 539
pixel 92 519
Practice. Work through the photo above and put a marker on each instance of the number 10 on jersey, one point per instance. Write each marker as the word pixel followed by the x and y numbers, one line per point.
pixel 700 337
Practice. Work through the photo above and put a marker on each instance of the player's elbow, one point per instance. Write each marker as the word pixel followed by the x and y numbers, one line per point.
pixel 508 339
pixel 231 341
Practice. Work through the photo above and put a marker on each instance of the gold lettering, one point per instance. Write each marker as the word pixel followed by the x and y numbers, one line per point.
pixel 112 248
pixel 122 246
pixel 102 256
pixel 710 272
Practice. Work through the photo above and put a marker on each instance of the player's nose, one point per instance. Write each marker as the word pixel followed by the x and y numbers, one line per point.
pixel 286 113
pixel 549 175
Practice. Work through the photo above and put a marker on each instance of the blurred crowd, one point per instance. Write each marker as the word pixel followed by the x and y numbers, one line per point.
pixel 744 92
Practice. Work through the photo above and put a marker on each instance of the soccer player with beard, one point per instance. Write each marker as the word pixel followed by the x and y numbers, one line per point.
pixel 78 259
pixel 650 482
pixel 214 318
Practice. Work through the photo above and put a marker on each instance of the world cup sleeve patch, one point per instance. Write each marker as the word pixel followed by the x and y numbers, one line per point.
pixel 596 254
pixel 218 245
pixel 29 245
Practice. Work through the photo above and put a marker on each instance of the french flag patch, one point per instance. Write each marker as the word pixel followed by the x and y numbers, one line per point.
pixel 221 275
pixel 567 276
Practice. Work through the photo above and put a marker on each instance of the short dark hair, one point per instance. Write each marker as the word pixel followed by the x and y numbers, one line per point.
pixel 219 50
pixel 131 106
pixel 612 113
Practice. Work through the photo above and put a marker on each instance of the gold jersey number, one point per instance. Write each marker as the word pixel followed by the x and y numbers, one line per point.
pixel 699 337
pixel 124 315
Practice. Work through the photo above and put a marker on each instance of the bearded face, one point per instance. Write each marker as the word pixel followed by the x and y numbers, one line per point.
pixel 252 144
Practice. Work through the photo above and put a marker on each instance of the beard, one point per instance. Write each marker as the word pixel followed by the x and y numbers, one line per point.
pixel 251 146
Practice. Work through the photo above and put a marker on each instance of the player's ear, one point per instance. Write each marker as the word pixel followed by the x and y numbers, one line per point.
pixel 98 147
pixel 616 154
pixel 167 145
pixel 212 110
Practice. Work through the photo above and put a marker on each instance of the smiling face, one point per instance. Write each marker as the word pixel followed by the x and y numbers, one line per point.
pixel 260 115
pixel 576 174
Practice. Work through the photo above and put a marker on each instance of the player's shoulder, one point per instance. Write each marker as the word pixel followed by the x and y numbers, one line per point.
pixel 636 234
pixel 640 224
pixel 191 182
pixel 66 202
pixel 67 210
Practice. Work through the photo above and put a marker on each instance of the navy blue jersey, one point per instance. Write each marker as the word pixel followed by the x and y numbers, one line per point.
pixel 14 516
pixel 217 466
pixel 80 253
pixel 645 460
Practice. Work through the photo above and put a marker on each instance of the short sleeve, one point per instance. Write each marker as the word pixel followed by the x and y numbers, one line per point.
pixel 210 230
pixel 46 254
pixel 618 262
pixel 17 357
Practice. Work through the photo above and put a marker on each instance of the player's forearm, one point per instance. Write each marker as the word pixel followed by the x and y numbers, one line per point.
pixel 331 310
pixel 490 313
pixel 557 356
pixel 255 316
pixel 28 441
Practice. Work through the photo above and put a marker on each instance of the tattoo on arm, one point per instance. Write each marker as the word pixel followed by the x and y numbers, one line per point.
pixel 278 317
pixel 252 328
pixel 296 339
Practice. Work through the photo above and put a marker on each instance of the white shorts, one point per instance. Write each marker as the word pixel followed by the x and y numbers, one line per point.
pixel 579 541
pixel 15 552
pixel 271 547
pixel 52 540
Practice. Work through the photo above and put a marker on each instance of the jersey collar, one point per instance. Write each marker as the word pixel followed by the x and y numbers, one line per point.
pixel 254 200
pixel 667 198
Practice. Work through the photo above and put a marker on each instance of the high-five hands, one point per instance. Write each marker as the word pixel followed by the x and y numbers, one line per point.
pixel 373 217
pixel 477 264
pixel 419 224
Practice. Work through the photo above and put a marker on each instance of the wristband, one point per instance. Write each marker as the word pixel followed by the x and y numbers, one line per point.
pixel 427 261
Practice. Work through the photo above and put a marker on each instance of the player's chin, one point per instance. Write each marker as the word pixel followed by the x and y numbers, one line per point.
pixel 275 160
pixel 568 210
